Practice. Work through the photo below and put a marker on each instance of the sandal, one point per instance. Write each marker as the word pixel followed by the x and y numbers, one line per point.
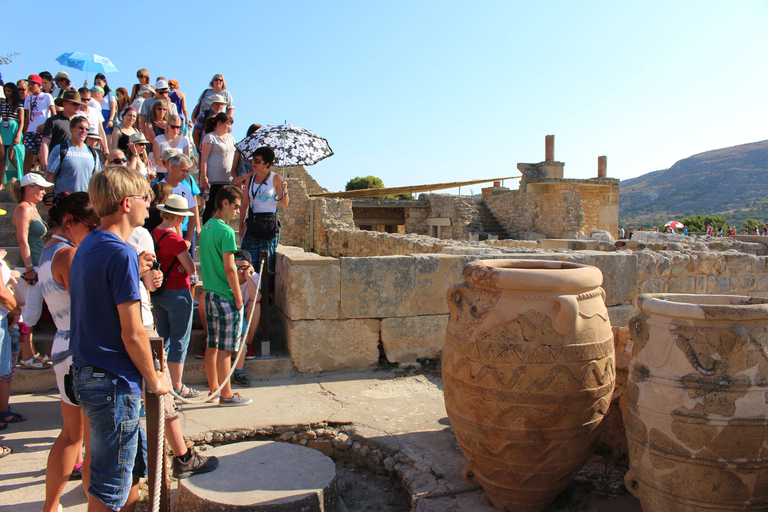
pixel 33 364
pixel 11 417
pixel 5 450
pixel 187 392
pixel 3 425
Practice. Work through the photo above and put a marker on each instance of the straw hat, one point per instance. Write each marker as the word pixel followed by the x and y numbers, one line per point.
pixel 176 205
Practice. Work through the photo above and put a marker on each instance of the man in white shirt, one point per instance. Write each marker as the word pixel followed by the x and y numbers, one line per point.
pixel 179 167
pixel 93 115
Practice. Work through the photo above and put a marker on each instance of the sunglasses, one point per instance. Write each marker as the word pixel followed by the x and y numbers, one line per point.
pixel 174 127
pixel 218 79
pixel 237 206
pixel 145 197
pixel 164 91
pixel 243 267
pixel 118 161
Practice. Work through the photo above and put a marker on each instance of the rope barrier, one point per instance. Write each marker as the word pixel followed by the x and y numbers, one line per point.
pixel 160 458
pixel 216 393
pixel 160 455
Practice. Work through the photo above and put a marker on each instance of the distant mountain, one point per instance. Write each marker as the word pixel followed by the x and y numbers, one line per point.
pixel 731 181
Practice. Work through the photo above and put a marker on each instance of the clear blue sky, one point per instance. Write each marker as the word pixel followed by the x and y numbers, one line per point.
pixel 435 91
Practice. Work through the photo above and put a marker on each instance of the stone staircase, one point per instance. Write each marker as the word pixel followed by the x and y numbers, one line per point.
pixel 488 222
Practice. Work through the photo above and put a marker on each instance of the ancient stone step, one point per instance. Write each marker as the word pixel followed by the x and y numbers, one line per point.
pixel 277 367
pixel 489 223
pixel 263 476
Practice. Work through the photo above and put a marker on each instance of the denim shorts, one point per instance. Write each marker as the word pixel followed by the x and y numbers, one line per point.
pixel 118 443
pixel 173 311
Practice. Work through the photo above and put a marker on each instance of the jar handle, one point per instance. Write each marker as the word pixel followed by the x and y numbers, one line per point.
pixel 568 317
pixel 455 297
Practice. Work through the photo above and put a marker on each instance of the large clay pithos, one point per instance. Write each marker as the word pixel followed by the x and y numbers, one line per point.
pixel 528 374
pixel 697 417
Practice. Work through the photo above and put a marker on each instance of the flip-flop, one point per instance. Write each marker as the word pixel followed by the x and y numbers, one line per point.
pixel 14 417
pixel 3 425
pixel 5 450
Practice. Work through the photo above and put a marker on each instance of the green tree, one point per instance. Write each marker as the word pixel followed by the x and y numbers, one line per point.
pixel 364 182
pixel 698 223
pixel 8 58
pixel 750 224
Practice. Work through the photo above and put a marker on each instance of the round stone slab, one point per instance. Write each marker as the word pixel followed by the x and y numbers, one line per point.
pixel 262 477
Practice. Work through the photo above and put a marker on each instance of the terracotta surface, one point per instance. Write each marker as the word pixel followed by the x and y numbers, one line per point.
pixel 528 373
pixel 697 412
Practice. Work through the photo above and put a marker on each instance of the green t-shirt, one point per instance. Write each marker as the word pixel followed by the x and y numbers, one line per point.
pixel 216 238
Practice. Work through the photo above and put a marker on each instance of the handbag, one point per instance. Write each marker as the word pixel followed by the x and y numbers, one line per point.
pixel 262 225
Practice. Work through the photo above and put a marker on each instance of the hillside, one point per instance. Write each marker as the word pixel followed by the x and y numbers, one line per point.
pixel 731 181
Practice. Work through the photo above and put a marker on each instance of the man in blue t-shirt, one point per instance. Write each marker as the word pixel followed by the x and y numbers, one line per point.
pixel 110 348
pixel 73 172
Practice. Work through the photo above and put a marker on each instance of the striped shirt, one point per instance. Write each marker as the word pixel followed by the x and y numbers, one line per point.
pixel 8 111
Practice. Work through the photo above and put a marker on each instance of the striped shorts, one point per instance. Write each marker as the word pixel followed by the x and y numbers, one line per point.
pixel 224 322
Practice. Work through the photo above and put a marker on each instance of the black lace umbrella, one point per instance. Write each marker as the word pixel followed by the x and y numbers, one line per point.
pixel 293 145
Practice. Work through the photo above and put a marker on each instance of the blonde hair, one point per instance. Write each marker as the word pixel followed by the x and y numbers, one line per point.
pixel 16 191
pixel 171 217
pixel 109 187
pixel 173 117
pixel 223 82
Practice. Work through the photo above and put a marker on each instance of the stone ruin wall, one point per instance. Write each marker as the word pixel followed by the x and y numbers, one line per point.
pixel 554 209
pixel 462 211
pixel 399 301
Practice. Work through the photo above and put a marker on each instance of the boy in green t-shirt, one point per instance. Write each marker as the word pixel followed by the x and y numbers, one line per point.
pixel 223 299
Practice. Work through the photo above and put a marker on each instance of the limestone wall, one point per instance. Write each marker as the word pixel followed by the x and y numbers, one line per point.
pixel 462 210
pixel 300 173
pixel 294 220
pixel 555 211
pixel 558 208
pixel 337 312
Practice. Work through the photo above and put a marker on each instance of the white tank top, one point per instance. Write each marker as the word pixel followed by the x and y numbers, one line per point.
pixel 262 199
pixel 55 294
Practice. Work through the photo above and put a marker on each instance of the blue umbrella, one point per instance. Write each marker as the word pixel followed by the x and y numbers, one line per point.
pixel 86 62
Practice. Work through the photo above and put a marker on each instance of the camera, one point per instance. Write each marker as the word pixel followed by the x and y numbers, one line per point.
pixel 155 265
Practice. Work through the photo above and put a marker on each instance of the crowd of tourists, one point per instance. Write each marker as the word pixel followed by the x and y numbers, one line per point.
pixel 134 186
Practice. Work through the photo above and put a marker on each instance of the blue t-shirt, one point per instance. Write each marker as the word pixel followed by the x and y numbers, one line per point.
pixel 73 173
pixel 104 274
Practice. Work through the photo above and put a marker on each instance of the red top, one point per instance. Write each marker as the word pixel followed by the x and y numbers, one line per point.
pixel 169 247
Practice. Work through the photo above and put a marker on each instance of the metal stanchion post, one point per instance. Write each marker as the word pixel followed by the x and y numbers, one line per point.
pixel 155 407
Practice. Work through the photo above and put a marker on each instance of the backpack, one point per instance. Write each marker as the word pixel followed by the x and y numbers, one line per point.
pixel 64 148
pixel 160 289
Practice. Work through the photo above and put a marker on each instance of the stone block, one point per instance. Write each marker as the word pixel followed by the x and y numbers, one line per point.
pixel 664 267
pixel 409 339
pixel 701 284
pixel 682 284
pixel 620 315
pixel 747 283
pixel 330 345
pixel 377 287
pixel 619 273
pixel 433 275
pixel 653 285
pixel 722 285
pixel 646 263
pixel 307 286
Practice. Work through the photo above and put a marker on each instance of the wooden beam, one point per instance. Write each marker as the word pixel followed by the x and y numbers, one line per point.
pixel 391 191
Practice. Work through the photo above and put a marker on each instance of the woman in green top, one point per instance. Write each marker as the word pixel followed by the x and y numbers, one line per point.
pixel 30 230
